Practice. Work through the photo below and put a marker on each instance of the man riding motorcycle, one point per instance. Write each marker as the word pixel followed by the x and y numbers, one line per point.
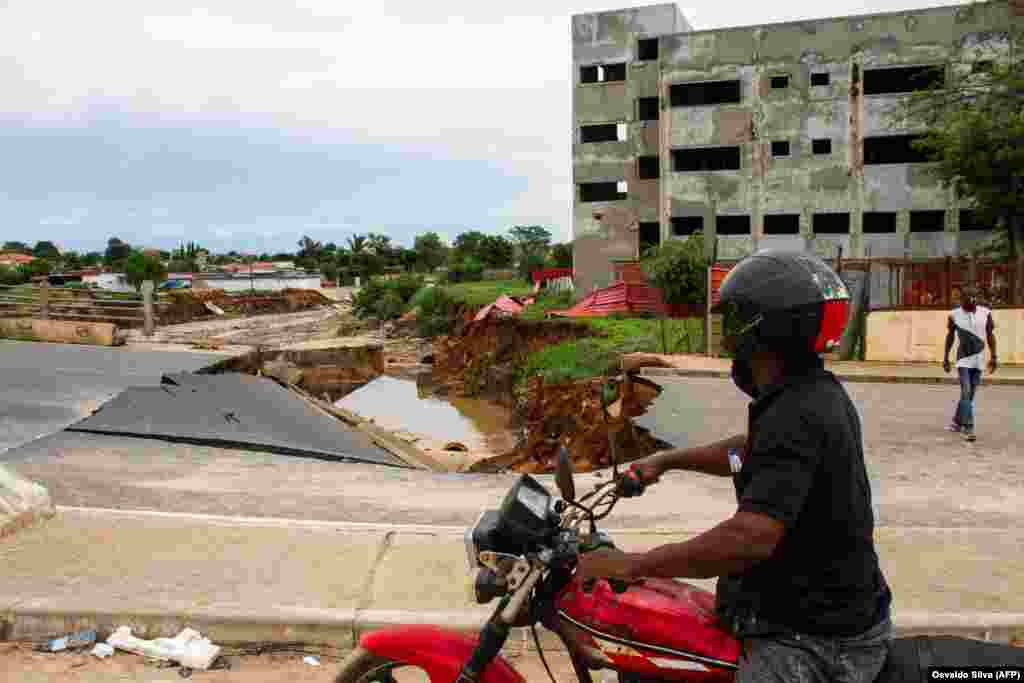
pixel 799 578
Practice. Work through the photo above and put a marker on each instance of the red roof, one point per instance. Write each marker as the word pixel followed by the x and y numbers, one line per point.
pixel 11 257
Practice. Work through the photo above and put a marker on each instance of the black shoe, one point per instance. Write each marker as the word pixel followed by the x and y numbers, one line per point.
pixel 969 435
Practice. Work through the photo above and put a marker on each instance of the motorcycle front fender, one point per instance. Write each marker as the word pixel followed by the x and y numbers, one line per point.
pixel 440 652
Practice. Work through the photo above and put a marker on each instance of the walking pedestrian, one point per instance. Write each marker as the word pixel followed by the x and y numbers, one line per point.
pixel 972 325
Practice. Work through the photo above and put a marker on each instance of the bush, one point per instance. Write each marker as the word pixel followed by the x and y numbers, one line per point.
pixel 385 299
pixel 468 270
pixel 12 276
pixel 679 270
pixel 406 286
pixel 437 312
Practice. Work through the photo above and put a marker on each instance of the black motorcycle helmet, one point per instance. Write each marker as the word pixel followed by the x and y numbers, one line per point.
pixel 789 302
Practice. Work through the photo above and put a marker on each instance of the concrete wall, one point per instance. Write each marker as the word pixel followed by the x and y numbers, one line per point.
pixel 274 284
pixel 900 336
pixel 59 331
pixel 803 182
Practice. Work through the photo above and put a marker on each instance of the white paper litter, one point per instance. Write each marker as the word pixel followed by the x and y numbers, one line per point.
pixel 102 650
pixel 188 648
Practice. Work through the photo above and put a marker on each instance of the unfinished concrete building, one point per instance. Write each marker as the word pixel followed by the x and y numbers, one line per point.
pixel 776 135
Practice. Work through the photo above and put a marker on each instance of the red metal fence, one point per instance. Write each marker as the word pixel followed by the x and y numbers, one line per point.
pixel 936 283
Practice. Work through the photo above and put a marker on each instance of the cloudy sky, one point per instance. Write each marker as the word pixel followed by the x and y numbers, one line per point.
pixel 245 125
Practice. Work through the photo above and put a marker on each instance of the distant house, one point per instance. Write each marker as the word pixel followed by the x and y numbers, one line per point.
pixel 13 260
pixel 256 267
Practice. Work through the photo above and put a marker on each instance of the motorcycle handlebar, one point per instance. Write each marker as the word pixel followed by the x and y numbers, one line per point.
pixel 630 485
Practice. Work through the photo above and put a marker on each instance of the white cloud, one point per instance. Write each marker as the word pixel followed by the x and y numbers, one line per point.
pixel 448 80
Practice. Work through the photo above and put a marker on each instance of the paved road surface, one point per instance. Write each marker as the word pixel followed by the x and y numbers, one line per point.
pixel 921 475
pixel 46 387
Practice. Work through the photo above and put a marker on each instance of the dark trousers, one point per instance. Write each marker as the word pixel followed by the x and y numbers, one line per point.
pixel 970 378
pixel 800 658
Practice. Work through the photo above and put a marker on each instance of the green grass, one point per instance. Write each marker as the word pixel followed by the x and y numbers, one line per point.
pixel 486 291
pixel 594 356
pixel 591 356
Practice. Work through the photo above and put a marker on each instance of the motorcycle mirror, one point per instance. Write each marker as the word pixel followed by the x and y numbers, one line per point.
pixel 563 476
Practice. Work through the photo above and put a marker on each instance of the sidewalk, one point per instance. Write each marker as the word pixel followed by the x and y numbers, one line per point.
pixel 265 580
pixel 850 371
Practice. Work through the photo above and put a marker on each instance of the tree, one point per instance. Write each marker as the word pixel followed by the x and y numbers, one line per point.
pixel 468 244
pixel 139 268
pixel 17 248
pixel 678 269
pixel 45 249
pixel 308 249
pixel 975 135
pixel 92 258
pixel 185 258
pixel 406 258
pixel 530 238
pixel 117 252
pixel 532 242
pixel 561 255
pixel 381 246
pixel 430 251
pixel 71 260
pixel 34 269
pixel 497 252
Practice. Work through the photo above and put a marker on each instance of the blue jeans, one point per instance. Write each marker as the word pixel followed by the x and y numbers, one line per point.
pixel 816 659
pixel 970 378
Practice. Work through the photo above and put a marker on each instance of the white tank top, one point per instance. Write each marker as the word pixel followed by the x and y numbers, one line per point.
pixel 971 330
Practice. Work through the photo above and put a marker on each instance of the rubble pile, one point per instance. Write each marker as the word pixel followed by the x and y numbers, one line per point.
pixel 480 358
pixel 186 305
pixel 571 414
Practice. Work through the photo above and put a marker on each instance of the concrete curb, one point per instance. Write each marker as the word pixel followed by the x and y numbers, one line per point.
pixel 338 630
pixel 851 377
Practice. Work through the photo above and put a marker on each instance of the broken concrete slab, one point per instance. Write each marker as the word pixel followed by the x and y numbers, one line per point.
pixel 235 411
pixel 22 503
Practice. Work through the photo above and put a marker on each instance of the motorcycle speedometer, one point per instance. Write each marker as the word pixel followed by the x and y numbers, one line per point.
pixel 526 516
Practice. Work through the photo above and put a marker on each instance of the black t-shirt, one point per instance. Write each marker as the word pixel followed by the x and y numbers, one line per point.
pixel 804 466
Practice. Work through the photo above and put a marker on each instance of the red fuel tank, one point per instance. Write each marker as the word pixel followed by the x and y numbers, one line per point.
pixel 658 627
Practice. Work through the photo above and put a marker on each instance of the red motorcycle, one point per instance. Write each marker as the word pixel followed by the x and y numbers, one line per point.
pixel 652 630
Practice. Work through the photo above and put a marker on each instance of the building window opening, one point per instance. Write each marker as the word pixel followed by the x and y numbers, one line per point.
pixel 780 148
pixel 733 226
pixel 650 236
pixel 902 79
pixel 879 222
pixel 604 132
pixel 603 73
pixel 821 78
pixel 822 146
pixel 647 108
pixel 603 192
pixel 832 224
pixel 780 82
pixel 706 159
pixel 647 49
pixel 698 94
pixel 684 226
pixel 782 224
pixel 647 168
pixel 969 220
pixel 927 221
pixel 893 149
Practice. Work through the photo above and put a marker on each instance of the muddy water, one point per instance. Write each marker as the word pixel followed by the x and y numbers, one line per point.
pixel 402 405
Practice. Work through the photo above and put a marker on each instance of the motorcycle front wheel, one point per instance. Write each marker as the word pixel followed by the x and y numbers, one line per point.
pixel 363 666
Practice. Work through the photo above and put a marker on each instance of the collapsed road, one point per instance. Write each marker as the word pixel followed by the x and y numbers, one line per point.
pixel 232 410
